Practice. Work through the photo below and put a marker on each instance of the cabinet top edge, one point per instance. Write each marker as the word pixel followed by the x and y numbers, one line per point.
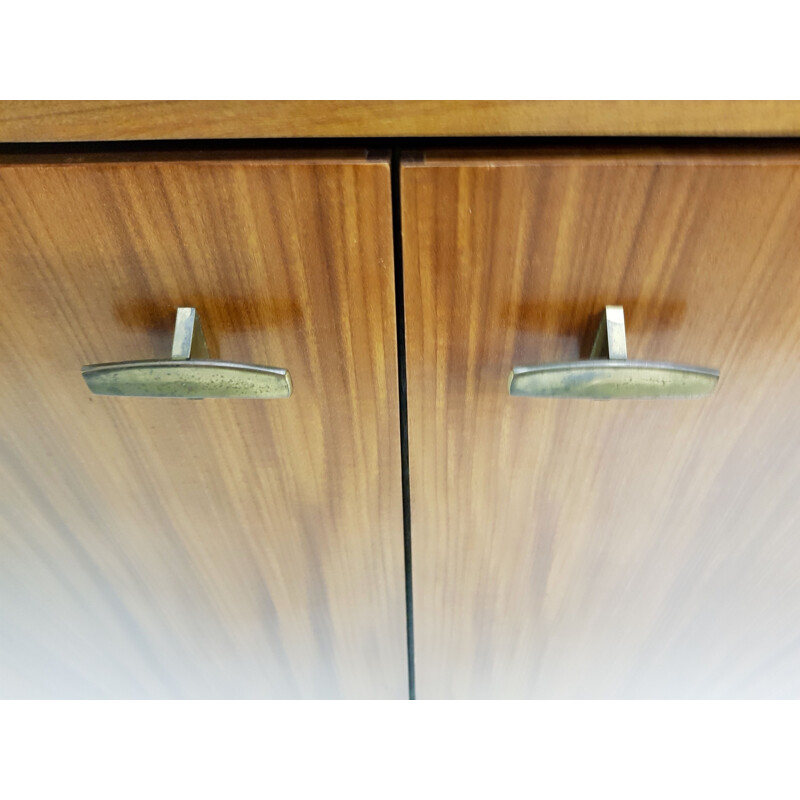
pixel 132 120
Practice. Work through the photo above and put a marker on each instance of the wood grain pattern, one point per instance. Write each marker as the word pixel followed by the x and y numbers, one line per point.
pixel 568 548
pixel 221 548
pixel 118 120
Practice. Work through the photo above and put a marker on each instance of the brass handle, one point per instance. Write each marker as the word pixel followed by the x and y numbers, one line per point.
pixel 610 374
pixel 185 375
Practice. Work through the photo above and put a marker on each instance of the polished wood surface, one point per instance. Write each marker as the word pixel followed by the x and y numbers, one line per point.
pixel 116 120
pixel 216 548
pixel 575 548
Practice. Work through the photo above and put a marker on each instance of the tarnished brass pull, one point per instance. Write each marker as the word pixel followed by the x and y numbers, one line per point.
pixel 609 374
pixel 190 373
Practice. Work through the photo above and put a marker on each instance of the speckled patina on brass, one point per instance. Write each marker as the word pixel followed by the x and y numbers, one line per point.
pixel 601 379
pixel 189 379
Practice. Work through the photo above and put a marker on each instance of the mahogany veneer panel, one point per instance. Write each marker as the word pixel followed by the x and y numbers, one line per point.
pixel 637 548
pixel 220 548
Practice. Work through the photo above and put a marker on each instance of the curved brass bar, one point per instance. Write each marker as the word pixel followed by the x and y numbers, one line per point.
pixel 602 379
pixel 194 379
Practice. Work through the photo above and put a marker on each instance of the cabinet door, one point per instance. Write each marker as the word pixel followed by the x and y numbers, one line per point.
pixel 215 548
pixel 626 548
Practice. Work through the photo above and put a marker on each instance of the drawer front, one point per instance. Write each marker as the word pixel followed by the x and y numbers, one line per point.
pixel 626 548
pixel 220 548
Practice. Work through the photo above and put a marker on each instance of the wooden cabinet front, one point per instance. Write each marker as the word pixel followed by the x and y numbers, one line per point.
pixel 627 548
pixel 215 548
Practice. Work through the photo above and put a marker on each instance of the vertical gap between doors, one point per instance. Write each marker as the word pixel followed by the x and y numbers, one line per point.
pixel 397 234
